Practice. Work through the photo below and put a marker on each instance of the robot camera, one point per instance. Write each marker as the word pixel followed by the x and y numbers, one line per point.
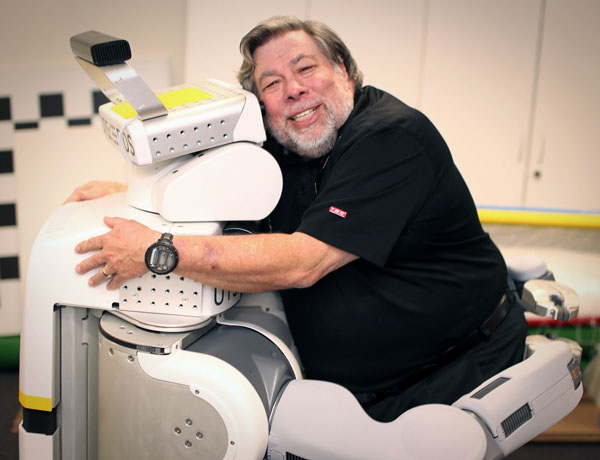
pixel 100 49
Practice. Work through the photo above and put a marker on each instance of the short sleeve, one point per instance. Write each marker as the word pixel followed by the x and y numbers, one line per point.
pixel 369 194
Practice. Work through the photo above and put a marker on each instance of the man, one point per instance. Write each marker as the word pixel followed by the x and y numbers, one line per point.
pixel 390 285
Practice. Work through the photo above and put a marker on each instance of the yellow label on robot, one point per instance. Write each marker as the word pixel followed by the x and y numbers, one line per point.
pixel 171 99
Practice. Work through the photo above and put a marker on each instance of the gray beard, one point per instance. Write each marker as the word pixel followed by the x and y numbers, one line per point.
pixel 307 148
pixel 315 147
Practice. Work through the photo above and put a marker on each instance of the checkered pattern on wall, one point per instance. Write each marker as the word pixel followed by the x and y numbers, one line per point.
pixel 24 108
pixel 32 100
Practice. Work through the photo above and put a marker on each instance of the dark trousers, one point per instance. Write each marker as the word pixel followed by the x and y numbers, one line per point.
pixel 504 348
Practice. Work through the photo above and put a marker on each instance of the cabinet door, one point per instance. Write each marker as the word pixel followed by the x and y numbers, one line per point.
pixel 565 157
pixel 385 38
pixel 477 89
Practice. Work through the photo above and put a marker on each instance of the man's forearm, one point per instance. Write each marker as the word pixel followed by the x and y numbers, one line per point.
pixel 257 263
pixel 241 263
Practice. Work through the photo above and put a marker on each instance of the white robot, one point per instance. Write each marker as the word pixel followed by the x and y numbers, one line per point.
pixel 168 368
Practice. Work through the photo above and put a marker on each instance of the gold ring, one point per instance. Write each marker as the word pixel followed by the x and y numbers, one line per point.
pixel 106 275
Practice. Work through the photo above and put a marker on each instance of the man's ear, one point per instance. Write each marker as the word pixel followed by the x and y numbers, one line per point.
pixel 341 68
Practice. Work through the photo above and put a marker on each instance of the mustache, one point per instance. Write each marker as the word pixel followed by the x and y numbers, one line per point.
pixel 301 107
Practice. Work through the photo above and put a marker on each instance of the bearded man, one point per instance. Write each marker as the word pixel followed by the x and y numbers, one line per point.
pixel 390 285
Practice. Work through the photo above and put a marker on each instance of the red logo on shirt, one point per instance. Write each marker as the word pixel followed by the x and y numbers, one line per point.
pixel 338 212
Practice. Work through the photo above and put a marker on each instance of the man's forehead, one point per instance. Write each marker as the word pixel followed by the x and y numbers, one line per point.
pixel 288 48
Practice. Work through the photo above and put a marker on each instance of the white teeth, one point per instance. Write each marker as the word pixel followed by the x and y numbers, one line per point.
pixel 304 114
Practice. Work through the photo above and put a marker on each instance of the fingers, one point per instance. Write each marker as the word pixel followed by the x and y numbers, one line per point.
pixel 95 189
pixel 120 253
pixel 115 283
pixel 93 244
pixel 75 196
pixel 104 275
pixel 79 194
pixel 97 260
pixel 101 276
pixel 112 221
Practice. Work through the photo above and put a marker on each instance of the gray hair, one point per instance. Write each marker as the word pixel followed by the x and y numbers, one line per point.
pixel 329 43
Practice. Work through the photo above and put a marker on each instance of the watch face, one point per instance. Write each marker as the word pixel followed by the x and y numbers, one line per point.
pixel 161 259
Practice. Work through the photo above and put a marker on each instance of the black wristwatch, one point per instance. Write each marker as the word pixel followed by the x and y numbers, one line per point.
pixel 161 258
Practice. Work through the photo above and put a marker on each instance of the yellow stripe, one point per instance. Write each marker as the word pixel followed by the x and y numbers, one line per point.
pixel 171 99
pixel 35 402
pixel 497 216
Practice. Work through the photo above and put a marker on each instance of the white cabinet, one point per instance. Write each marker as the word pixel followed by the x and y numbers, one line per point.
pixel 477 89
pixel 564 164
pixel 514 88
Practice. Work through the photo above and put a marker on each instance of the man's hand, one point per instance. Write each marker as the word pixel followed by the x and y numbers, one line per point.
pixel 95 189
pixel 121 252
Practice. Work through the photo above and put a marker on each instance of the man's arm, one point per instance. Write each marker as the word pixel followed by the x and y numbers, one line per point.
pixel 258 263
pixel 241 263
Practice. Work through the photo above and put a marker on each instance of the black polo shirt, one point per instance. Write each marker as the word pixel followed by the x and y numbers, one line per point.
pixel 427 273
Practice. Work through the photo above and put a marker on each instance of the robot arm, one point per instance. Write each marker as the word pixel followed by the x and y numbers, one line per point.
pixel 315 419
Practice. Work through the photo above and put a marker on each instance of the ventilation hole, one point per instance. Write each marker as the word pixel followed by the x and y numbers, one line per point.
pixel 289 456
pixel 489 388
pixel 514 421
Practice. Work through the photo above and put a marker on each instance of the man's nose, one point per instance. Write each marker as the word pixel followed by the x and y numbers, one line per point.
pixel 295 89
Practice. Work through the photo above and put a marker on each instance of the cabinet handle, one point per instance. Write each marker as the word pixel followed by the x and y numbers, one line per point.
pixel 537 173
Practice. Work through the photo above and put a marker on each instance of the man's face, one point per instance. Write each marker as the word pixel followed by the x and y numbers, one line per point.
pixel 306 98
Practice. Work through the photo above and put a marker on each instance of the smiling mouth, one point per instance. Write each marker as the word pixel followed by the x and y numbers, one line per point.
pixel 303 115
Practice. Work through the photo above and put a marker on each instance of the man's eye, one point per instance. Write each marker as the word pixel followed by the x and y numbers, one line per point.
pixel 306 68
pixel 271 85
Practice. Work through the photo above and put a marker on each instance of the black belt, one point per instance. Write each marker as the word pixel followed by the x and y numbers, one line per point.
pixel 477 336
